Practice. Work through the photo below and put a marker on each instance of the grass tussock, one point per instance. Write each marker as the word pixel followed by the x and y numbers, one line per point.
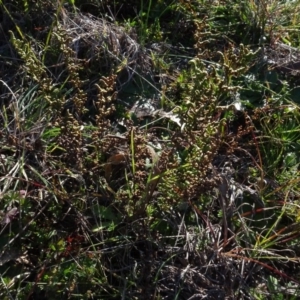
pixel 149 155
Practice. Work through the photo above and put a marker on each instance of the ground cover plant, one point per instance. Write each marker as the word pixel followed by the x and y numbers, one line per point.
pixel 149 149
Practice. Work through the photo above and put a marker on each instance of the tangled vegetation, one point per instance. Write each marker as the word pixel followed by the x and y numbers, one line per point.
pixel 150 149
